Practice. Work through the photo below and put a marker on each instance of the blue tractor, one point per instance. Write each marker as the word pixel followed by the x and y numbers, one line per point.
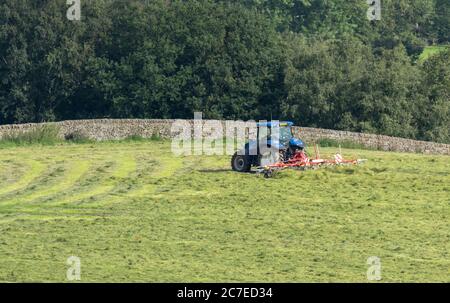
pixel 269 147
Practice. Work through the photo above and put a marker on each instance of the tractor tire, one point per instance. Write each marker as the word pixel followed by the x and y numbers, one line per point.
pixel 241 163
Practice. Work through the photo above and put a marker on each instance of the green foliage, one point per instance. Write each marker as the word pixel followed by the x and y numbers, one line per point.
pixel 442 21
pixel 320 63
pixel 434 111
pixel 195 56
pixel 342 84
pixel 406 22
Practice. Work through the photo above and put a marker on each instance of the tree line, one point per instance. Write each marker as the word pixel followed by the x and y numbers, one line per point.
pixel 319 63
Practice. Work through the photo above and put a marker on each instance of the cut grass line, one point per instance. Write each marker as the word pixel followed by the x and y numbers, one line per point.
pixel 168 169
pixel 35 169
pixel 170 166
pixel 77 171
pixel 10 174
pixel 127 166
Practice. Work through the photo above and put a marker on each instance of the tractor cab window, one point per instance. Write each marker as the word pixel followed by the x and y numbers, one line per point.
pixel 266 133
pixel 285 134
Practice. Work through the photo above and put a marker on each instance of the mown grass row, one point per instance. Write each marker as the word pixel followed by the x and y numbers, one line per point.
pixel 66 179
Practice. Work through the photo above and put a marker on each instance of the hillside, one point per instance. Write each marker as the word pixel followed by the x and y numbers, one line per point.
pixel 133 212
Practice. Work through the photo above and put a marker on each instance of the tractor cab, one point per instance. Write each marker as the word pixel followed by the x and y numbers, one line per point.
pixel 274 142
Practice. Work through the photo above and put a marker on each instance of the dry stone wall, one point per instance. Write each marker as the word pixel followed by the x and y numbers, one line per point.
pixel 116 129
pixel 380 142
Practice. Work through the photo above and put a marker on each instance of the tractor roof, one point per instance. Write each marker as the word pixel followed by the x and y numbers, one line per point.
pixel 275 124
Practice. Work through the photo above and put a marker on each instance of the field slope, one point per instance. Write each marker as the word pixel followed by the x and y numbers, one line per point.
pixel 132 211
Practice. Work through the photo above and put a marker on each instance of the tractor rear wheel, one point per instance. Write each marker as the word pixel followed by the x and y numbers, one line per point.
pixel 241 163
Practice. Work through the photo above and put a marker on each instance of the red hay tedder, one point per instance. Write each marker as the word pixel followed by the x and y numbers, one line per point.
pixel 301 161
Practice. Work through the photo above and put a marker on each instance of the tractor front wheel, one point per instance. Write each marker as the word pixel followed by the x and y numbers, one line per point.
pixel 241 163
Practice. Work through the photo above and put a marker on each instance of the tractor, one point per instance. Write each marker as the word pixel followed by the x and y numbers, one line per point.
pixel 274 143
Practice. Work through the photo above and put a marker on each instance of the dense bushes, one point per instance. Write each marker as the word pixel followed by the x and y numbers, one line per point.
pixel 320 63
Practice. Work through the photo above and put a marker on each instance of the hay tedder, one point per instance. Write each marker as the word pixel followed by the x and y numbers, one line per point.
pixel 276 149
pixel 301 161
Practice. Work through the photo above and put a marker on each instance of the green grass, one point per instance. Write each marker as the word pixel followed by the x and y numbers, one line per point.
pixel 43 135
pixel 432 50
pixel 131 211
pixel 48 134
pixel 343 144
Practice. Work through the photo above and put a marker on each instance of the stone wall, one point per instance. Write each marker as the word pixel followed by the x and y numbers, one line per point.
pixel 108 129
pixel 380 142
pixel 100 130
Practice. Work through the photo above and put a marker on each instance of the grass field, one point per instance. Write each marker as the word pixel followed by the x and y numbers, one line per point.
pixel 131 211
pixel 432 50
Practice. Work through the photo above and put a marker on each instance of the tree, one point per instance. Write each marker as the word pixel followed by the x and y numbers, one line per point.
pixel 341 84
pixel 442 21
pixel 433 115
pixel 188 56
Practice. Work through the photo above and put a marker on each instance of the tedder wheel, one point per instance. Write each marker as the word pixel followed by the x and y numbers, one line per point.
pixel 268 174
pixel 241 163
